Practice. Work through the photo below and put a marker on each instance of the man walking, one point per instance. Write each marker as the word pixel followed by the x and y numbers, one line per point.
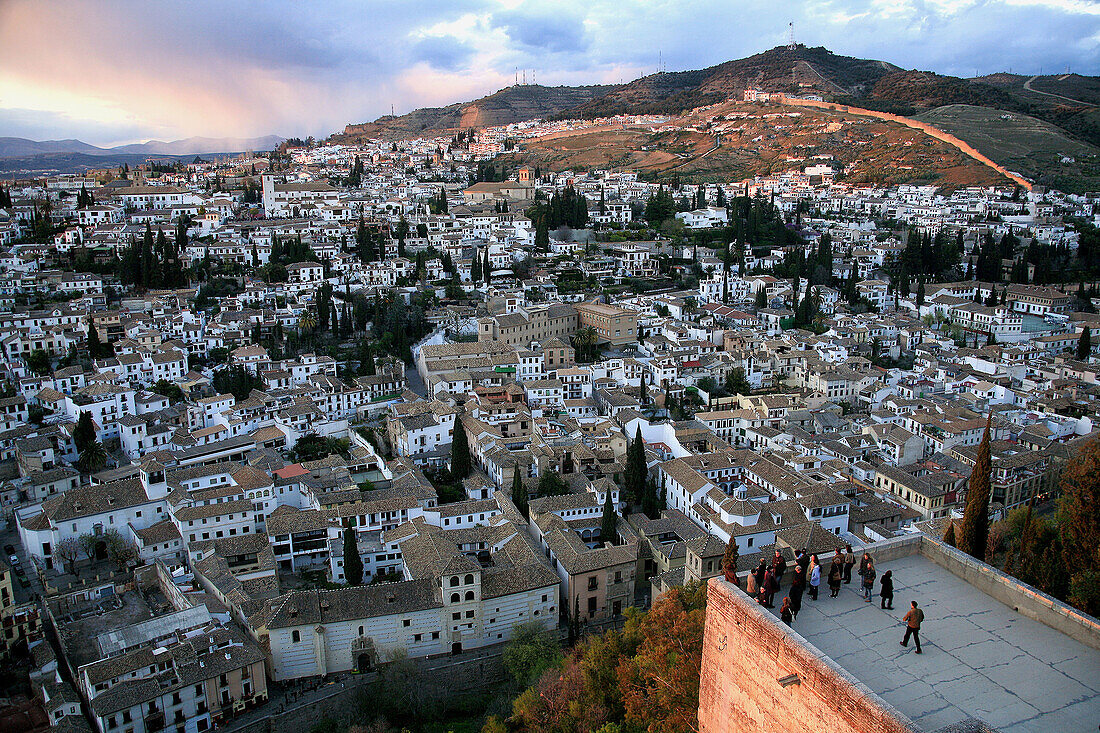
pixel 912 626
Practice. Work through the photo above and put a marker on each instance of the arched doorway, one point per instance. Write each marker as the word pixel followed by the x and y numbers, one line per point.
pixel 363 662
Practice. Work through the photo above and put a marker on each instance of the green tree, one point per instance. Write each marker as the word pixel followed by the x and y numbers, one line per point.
pixel 38 362
pixel 636 470
pixel 975 527
pixel 761 297
pixel 552 484
pixel 353 563
pixel 949 535
pixel 609 524
pixel 1079 526
pixel 532 650
pixel 519 493
pixel 95 347
pixel 737 382
pixel 84 433
pixel 1084 344
pixel 93 458
pixel 460 451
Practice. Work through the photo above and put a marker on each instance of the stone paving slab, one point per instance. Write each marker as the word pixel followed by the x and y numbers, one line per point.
pixel 981 658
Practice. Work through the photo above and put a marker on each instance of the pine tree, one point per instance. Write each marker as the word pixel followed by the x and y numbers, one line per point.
pixel 519 493
pixel 460 451
pixel 1084 345
pixel 353 564
pixel 609 533
pixel 975 527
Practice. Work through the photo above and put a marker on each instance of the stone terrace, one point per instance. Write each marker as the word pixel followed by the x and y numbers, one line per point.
pixel 981 659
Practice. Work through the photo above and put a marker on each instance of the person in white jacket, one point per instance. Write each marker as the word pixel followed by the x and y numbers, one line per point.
pixel 815 576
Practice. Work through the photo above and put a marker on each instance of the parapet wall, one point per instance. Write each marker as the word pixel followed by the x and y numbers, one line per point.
pixel 937 133
pixel 759 675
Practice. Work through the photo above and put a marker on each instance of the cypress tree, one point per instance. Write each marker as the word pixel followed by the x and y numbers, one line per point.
pixel 460 451
pixel 519 493
pixel 609 533
pixel 729 560
pixel 487 268
pixel 636 470
pixel 84 432
pixel 975 527
pixel 475 268
pixel 95 348
pixel 1084 344
pixel 949 535
pixel 353 564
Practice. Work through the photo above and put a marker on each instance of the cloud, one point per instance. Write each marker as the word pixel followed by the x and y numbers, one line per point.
pixel 160 68
pixel 442 52
pixel 553 30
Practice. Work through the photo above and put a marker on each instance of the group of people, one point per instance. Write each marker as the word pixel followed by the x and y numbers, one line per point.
pixel 765 581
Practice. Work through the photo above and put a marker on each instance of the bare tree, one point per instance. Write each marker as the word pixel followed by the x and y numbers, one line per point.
pixel 120 550
pixel 88 544
pixel 68 550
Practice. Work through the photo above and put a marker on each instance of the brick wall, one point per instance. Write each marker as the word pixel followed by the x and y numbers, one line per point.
pixel 747 651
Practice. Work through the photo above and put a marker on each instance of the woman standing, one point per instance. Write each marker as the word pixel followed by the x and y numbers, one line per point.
pixel 815 577
pixel 785 612
pixel 798 587
pixel 849 561
pixel 836 575
pixel 868 574
pixel 887 592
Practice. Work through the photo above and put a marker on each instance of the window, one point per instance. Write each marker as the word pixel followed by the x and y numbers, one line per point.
pixel 360 631
pixel 456 616
pixel 455 598
pixel 469 579
pixel 295 636
pixel 593 582
pixel 469 595
pixel 454 581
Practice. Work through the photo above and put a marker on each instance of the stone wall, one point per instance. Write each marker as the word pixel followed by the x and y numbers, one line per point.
pixel 759 675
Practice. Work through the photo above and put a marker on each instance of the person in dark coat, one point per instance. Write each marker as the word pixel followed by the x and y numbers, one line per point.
pixel 804 562
pixel 769 589
pixel 814 577
pixel 785 611
pixel 887 591
pixel 836 576
pixel 759 572
pixel 849 561
pixel 798 587
pixel 779 567
pixel 868 572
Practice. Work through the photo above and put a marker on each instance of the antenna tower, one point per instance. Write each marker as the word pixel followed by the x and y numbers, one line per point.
pixel 791 45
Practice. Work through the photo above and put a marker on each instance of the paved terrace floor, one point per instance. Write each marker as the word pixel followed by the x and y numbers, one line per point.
pixel 981 659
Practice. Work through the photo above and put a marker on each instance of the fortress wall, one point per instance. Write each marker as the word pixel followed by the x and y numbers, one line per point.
pixel 747 652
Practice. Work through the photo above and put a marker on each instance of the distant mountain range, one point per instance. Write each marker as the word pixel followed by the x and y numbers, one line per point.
pixel 1069 104
pixel 18 147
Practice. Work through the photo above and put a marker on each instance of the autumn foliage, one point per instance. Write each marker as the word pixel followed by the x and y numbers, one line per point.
pixel 644 677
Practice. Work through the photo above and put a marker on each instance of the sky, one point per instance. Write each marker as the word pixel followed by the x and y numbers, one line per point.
pixel 118 71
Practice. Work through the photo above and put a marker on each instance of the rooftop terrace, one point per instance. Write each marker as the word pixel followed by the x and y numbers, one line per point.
pixel 995 651
pixel 981 659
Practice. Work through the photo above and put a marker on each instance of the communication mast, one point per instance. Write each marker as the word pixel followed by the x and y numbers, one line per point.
pixel 791 45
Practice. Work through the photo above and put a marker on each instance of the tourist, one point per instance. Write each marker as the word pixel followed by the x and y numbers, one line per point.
pixel 785 611
pixel 804 562
pixel 815 577
pixel 750 584
pixel 836 575
pixel 849 561
pixel 868 572
pixel 760 570
pixel 798 587
pixel 779 567
pixel 912 626
pixel 768 589
pixel 887 590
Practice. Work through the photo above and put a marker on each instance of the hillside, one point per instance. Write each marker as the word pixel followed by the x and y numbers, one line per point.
pixel 760 140
pixel 1068 102
pixel 513 104
pixel 18 147
pixel 1025 144
pixel 798 70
